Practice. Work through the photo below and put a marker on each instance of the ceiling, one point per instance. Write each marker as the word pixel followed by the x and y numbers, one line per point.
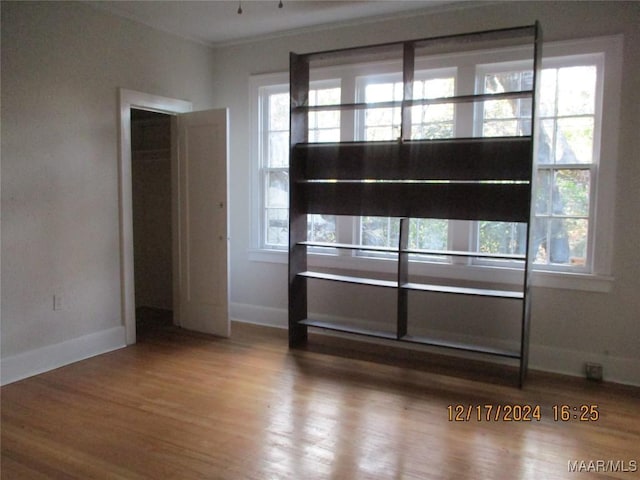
pixel 217 22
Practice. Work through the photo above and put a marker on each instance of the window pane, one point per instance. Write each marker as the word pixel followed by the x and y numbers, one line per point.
pixel 547 100
pixel 382 133
pixel 434 113
pixel 561 241
pixel 576 90
pixel 330 119
pixel 546 135
pixel 278 149
pixel 571 192
pixel 277 226
pixel 378 116
pixel 383 92
pixel 431 130
pixel 428 234
pixel 279 111
pixel 508 81
pixel 576 230
pixel 502 237
pixel 434 88
pixel 324 126
pixel 502 128
pixel 498 109
pixel 325 96
pixel 540 242
pixel 433 121
pixel 379 231
pixel 574 140
pixel 543 192
pixel 382 123
pixel 329 135
pixel 507 117
pixel 321 228
pixel 277 189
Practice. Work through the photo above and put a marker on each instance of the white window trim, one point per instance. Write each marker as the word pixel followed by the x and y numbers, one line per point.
pixel 599 280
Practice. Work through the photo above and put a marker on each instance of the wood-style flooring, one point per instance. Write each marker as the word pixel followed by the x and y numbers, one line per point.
pixel 179 405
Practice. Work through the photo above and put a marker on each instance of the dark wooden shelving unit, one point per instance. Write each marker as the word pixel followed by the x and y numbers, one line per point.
pixel 479 178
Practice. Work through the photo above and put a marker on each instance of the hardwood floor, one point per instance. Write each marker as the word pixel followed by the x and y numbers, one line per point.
pixel 179 405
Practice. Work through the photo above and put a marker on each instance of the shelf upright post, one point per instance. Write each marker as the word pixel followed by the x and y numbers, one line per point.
pixel 403 278
pixel 530 254
pixel 408 62
pixel 298 133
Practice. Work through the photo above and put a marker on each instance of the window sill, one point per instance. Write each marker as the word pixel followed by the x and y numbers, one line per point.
pixel 475 273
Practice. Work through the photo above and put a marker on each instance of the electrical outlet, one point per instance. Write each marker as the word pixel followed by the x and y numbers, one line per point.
pixel 57 302
pixel 593 371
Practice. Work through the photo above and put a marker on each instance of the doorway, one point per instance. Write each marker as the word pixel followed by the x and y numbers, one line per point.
pixel 199 219
pixel 130 100
pixel 151 207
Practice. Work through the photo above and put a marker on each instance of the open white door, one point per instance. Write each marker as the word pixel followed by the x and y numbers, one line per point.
pixel 201 253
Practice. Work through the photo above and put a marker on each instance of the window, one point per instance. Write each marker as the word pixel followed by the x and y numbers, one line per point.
pixel 427 122
pixel 566 158
pixel 274 159
pixel 574 160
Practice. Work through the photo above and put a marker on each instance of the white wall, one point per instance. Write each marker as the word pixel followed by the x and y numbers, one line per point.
pixel 568 327
pixel 62 64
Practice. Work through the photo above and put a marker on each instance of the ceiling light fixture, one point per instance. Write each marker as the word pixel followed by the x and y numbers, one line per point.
pixel 239 11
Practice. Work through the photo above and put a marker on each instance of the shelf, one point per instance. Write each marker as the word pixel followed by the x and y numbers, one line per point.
pixel 408 338
pixel 415 251
pixel 492 202
pixel 349 279
pixel 458 253
pixel 483 97
pixel 348 329
pixel 509 33
pixel 481 292
pixel 349 246
pixel 473 159
pixel 460 346
pixel 472 179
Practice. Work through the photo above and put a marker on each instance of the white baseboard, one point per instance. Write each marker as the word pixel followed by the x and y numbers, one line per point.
pixel 572 362
pixel 270 317
pixel 47 358
pixel 541 357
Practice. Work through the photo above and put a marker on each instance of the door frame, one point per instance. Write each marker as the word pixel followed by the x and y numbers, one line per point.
pixel 129 99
